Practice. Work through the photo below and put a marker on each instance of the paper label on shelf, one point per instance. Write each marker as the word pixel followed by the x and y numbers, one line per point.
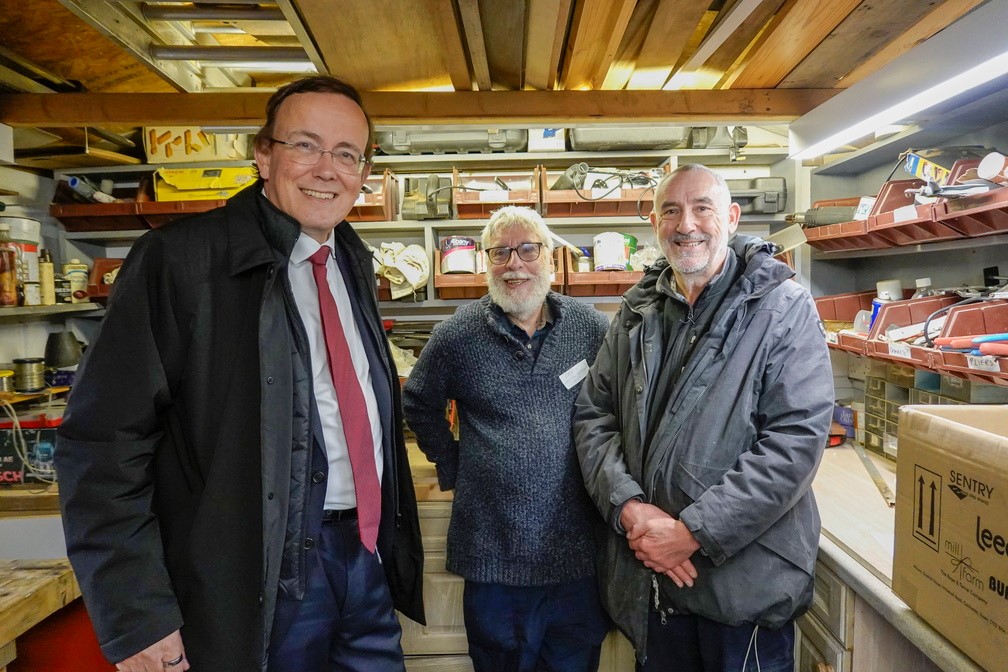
pixel 832 337
pixel 899 350
pixel 606 192
pixel 864 207
pixel 494 196
pixel 983 363
pixel 905 214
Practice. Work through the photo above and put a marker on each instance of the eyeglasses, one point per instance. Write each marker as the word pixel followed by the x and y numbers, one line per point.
pixel 502 255
pixel 307 153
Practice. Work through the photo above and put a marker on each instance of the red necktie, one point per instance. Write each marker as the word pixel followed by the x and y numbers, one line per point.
pixel 353 410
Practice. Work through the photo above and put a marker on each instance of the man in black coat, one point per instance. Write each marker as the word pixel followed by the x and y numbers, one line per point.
pixel 211 467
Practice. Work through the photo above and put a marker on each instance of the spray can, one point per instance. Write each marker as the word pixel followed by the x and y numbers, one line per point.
pixel 77 274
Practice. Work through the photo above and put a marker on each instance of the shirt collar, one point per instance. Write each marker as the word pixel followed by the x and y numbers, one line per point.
pixel 305 246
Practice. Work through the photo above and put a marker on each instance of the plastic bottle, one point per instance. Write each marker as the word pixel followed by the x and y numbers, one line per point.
pixel 88 190
pixel 47 278
pixel 8 272
pixel 923 288
pixel 7 244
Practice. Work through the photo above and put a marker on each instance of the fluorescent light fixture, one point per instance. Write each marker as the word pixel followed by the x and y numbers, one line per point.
pixel 963 56
pixel 938 93
pixel 262 66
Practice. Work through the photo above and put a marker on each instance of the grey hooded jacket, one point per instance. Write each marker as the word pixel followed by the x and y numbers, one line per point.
pixel 733 457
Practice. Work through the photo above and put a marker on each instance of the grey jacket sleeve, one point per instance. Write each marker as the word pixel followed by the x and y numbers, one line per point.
pixel 598 437
pixel 104 461
pixel 425 399
pixel 793 414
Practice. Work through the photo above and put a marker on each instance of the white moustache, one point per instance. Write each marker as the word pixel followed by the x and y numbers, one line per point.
pixel 515 275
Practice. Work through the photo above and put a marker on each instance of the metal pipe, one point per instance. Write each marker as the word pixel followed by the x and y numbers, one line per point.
pixel 202 12
pixel 171 52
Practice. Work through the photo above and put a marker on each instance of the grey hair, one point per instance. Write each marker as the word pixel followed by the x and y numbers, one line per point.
pixel 725 194
pixel 520 216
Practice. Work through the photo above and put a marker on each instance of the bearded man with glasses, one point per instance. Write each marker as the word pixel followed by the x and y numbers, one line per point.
pixel 521 525
pixel 235 489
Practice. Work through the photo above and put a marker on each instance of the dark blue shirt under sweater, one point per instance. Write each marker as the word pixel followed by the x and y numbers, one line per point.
pixel 520 514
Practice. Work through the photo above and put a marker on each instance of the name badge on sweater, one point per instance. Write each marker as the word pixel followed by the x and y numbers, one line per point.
pixel 574 375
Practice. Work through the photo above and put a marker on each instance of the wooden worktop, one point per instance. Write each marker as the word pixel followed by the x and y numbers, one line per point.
pixel 854 515
pixel 31 590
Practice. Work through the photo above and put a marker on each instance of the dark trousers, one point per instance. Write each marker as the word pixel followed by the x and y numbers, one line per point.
pixel 696 644
pixel 555 628
pixel 345 621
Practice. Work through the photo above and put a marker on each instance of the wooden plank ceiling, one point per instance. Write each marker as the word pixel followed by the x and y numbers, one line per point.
pixel 727 48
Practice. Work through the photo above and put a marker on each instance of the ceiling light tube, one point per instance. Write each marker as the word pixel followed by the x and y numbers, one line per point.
pixel 963 56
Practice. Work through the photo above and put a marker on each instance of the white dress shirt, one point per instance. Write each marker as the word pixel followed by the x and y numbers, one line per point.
pixel 340 489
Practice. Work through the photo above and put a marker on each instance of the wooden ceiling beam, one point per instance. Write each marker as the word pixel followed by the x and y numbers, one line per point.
pixel 547 28
pixel 442 13
pixel 862 34
pixel 595 38
pixel 794 32
pixel 673 24
pixel 940 17
pixel 398 108
pixel 472 27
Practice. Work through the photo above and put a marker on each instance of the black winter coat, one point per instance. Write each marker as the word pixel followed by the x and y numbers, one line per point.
pixel 183 456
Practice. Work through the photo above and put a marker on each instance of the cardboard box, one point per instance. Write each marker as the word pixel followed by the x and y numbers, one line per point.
pixel 547 139
pixel 201 184
pixel 181 144
pixel 41 445
pixel 950 563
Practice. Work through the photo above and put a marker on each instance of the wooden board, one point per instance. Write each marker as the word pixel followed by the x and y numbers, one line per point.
pixel 355 43
pixel 862 34
pixel 794 32
pixel 74 157
pixel 31 590
pixel 28 500
pixel 854 515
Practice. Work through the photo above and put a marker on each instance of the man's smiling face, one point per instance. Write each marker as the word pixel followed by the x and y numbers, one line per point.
pixel 318 196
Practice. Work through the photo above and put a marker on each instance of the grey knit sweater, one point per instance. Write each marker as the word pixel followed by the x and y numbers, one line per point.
pixel 520 515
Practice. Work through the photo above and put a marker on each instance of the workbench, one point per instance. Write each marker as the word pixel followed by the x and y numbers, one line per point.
pixel 30 591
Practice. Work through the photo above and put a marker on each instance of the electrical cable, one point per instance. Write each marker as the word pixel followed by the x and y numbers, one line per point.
pixel 21 445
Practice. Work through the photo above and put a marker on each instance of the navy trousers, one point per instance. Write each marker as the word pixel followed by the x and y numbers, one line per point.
pixel 555 628
pixel 695 644
pixel 346 621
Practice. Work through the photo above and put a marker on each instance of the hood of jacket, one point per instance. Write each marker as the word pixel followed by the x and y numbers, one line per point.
pixel 760 275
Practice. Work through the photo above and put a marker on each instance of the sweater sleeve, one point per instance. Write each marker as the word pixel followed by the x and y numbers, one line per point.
pixel 425 399
pixel 104 460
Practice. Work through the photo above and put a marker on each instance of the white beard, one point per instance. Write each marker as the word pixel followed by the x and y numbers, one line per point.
pixel 519 301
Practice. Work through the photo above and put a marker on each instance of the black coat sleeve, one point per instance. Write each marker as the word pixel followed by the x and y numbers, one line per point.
pixel 104 458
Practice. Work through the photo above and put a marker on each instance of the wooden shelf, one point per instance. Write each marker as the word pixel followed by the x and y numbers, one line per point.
pixel 43 311
pixel 18 397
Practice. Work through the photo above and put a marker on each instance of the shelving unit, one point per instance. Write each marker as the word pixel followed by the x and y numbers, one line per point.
pixel 29 312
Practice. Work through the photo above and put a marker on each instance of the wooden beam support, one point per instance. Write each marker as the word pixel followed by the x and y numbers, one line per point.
pixel 594 40
pixel 795 31
pixel 546 32
pixel 472 26
pixel 947 13
pixel 870 27
pixel 673 24
pixel 446 25
pixel 402 108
